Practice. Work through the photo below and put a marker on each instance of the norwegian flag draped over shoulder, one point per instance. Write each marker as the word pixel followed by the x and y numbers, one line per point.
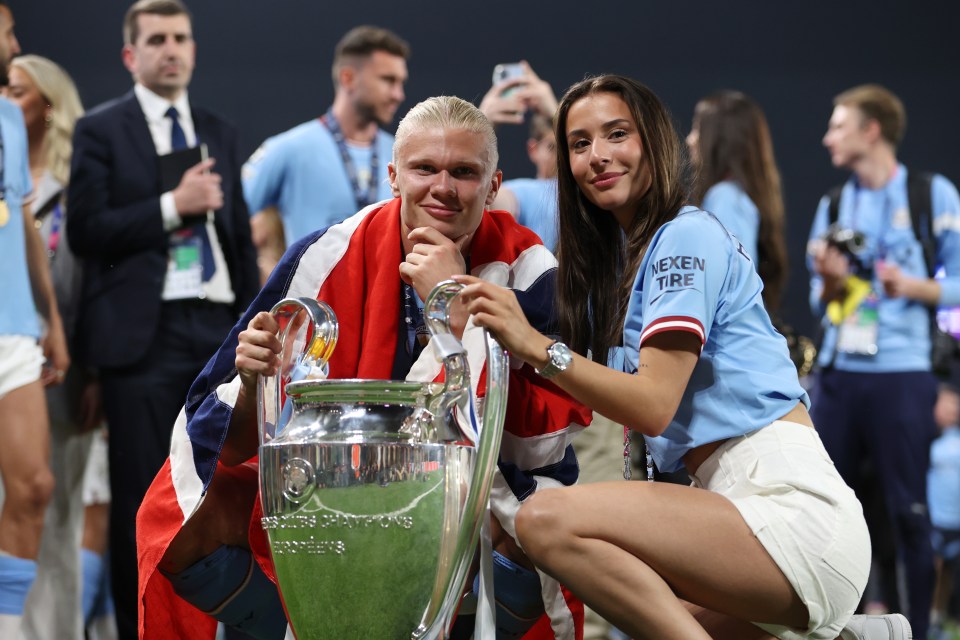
pixel 353 267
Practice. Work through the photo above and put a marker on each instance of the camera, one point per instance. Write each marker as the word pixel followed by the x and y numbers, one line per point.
pixel 851 243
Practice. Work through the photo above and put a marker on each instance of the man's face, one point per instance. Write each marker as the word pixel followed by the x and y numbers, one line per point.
pixel 376 87
pixel 847 138
pixel 445 179
pixel 543 154
pixel 9 47
pixel 163 57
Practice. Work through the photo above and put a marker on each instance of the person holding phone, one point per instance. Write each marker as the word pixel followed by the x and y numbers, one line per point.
pixel 519 94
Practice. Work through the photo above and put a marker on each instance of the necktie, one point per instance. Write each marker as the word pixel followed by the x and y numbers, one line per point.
pixel 178 141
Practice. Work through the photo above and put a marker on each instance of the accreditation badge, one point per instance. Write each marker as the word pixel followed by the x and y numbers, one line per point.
pixel 858 332
pixel 4 213
pixel 184 277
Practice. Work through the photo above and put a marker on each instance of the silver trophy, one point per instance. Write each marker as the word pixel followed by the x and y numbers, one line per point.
pixel 374 490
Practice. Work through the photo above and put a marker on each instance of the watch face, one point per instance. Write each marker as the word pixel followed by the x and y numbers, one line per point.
pixel 560 355
pixel 560 358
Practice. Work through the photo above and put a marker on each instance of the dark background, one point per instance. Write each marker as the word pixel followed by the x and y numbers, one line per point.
pixel 266 66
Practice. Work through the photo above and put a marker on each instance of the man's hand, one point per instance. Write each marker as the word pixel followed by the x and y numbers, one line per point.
pixel 833 267
pixel 258 350
pixel 896 284
pixel 525 93
pixel 504 109
pixel 433 259
pixel 537 94
pixel 91 406
pixel 199 190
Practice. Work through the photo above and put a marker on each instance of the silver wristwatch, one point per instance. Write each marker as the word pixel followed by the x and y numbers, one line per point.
pixel 560 358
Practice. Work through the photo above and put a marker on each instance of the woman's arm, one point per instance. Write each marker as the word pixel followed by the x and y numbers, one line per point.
pixel 646 402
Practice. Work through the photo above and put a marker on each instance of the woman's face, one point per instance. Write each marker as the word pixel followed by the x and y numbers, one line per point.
pixel 24 93
pixel 606 155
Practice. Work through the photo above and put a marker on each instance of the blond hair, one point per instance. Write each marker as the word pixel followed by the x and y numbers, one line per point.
pixel 447 112
pixel 56 87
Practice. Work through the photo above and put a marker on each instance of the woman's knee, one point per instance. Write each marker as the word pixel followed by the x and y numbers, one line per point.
pixel 540 522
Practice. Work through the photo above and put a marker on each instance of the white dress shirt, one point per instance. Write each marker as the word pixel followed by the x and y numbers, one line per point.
pixel 218 287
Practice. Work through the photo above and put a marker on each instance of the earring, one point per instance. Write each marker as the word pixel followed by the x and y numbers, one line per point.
pixel 49 118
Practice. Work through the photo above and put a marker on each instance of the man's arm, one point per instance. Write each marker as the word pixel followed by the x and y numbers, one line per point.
pixel 54 342
pixel 267 233
pixel 95 226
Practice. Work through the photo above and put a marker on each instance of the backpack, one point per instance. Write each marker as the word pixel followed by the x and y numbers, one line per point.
pixel 943 347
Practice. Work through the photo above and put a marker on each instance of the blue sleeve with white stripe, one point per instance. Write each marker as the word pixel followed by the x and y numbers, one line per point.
pixel 684 273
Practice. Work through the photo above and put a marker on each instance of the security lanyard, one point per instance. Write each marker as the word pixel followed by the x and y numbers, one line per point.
pixel 363 199
pixel 56 222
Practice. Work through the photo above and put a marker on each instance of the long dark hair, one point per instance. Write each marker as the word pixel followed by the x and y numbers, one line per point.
pixel 734 144
pixel 598 260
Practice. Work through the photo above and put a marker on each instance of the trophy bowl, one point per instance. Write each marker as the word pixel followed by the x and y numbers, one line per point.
pixel 373 492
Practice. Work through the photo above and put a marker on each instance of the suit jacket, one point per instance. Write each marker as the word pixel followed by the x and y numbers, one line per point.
pixel 115 225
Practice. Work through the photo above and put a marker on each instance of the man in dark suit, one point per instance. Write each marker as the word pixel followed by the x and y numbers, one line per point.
pixel 169 264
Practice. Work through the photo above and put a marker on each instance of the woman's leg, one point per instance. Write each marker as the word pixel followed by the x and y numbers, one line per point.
pixel 631 550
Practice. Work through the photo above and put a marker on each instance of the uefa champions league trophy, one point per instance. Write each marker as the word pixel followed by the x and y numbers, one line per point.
pixel 373 491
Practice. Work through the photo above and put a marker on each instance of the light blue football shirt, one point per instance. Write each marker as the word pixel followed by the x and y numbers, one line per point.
pixel 696 277
pixel 18 315
pixel 300 172
pixel 737 212
pixel 537 207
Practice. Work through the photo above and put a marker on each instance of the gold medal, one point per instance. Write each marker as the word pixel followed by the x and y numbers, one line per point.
pixel 4 213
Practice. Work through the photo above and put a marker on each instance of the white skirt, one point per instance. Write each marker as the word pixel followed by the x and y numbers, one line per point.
pixel 788 491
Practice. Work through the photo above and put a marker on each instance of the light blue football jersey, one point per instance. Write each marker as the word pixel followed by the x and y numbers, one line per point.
pixel 696 277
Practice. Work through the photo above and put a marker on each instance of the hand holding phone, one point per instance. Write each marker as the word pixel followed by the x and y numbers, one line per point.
pixel 508 71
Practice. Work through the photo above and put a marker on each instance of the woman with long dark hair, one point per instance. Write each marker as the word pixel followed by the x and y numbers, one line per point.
pixel 738 181
pixel 768 534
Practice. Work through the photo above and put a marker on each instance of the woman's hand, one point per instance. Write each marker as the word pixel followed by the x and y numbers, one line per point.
pixel 497 310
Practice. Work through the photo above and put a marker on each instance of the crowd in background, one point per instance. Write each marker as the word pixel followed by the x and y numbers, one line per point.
pixel 144 237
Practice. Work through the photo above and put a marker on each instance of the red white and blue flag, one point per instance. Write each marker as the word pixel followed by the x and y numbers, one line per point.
pixel 353 267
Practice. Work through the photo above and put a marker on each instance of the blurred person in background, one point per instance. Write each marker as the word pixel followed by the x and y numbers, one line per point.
pixel 330 167
pixel 51 106
pixel 31 357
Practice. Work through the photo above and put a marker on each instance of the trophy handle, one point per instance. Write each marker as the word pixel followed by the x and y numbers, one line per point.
pixel 439 614
pixel 321 339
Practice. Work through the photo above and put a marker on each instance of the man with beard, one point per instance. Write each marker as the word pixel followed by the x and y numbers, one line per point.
pixel 324 170
pixel 168 263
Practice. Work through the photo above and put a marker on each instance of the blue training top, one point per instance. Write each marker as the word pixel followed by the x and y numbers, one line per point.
pixel 883 216
pixel 537 207
pixel 734 208
pixel 696 277
pixel 18 315
pixel 301 172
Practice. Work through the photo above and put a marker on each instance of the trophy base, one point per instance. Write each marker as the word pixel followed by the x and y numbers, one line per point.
pixel 363 535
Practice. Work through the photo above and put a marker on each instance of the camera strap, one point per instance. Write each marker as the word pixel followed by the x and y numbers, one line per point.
pixel 920 203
